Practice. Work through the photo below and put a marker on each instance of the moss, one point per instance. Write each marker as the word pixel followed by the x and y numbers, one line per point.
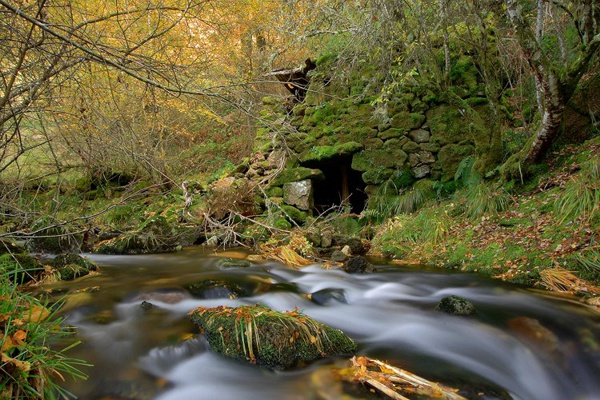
pixel 450 157
pixel 274 191
pixel 71 266
pixel 378 158
pixel 376 176
pixel 53 238
pixel 320 153
pixel 403 178
pixel 20 268
pixel 464 73
pixel 406 121
pixel 391 133
pixel 447 125
pixel 294 214
pixel 296 174
pixel 260 335
pixel 282 223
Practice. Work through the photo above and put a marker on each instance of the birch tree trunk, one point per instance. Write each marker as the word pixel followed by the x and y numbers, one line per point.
pixel 556 85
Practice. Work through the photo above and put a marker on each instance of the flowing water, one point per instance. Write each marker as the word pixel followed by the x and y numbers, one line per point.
pixel 523 343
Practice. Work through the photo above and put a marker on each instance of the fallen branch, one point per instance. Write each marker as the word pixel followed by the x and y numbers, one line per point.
pixel 394 382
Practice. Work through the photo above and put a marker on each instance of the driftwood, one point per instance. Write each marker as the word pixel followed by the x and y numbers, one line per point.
pixel 394 382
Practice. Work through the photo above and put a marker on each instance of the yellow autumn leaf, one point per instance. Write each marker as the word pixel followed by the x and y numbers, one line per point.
pixel 21 365
pixel 36 313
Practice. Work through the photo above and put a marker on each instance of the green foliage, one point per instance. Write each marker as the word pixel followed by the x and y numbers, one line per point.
pixel 426 229
pixel 581 198
pixel 388 202
pixel 482 199
pixel 588 262
pixel 466 174
pixel 30 368
pixel 19 268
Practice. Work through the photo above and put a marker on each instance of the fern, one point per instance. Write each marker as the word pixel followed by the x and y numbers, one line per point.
pixel 465 173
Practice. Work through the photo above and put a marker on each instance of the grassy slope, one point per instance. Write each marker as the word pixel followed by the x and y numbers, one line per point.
pixel 544 234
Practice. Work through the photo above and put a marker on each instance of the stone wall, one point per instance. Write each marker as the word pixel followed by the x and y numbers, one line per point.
pixel 412 136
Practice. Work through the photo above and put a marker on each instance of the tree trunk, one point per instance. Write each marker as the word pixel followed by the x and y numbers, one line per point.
pixel 552 118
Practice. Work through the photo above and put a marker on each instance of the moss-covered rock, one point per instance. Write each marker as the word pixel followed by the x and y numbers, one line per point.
pixel 320 153
pixel 447 125
pixel 155 235
pixel 406 121
pixel 228 263
pixel 367 160
pixel 20 268
pixel 294 214
pixel 71 266
pixel 217 289
pixel 53 238
pixel 260 335
pixel 456 305
pixel 376 176
pixel 295 175
pixel 450 157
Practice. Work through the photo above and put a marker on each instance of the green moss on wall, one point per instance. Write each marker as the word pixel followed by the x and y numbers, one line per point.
pixel 296 174
pixel 320 153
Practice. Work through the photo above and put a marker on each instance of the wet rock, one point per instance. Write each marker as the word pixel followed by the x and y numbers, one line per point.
pixel 456 305
pixel 262 336
pixel 228 263
pixel 355 245
pixel 71 266
pixel 217 289
pixel 358 265
pixel 147 306
pixel 338 256
pixel 325 296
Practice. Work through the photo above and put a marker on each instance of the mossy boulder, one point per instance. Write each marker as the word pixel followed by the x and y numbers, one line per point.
pixel 319 153
pixel 20 267
pixel 377 175
pixel 217 289
pixel 456 305
pixel 228 263
pixel 71 266
pixel 277 340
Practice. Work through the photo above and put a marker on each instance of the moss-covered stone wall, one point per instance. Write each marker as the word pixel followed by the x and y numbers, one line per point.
pixel 413 135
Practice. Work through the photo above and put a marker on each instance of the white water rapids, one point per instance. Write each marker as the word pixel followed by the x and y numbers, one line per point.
pixel 390 314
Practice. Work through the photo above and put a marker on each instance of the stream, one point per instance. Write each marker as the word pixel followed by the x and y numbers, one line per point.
pixel 131 319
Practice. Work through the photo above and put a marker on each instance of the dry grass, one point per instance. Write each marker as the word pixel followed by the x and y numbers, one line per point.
pixel 561 280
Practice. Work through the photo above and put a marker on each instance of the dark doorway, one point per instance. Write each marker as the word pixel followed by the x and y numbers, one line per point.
pixel 342 185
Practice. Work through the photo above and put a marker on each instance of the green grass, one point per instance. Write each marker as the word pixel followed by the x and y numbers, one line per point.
pixel 31 368
pixel 581 198
pixel 481 199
